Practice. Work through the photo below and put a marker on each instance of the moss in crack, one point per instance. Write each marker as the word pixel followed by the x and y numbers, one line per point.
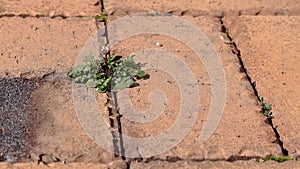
pixel 279 158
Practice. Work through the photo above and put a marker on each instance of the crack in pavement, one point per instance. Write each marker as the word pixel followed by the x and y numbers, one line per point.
pixel 25 15
pixel 220 14
pixel 115 122
pixel 113 109
pixel 237 52
pixel 171 159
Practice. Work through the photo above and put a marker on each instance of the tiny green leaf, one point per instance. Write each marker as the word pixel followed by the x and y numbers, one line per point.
pixel 261 99
pixel 141 73
pixel 100 89
pixel 128 83
pixel 133 72
pixel 91 83
pixel 104 15
pixel 71 74
pixel 267 106
pixel 88 58
pixel 97 17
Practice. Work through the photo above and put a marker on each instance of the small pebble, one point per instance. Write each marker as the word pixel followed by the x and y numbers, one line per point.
pixel 225 39
pixel 158 44
pixel 52 13
pixel 32 13
pixel 10 158
pixel 66 14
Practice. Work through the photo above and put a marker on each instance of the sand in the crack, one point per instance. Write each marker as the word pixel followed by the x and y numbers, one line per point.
pixel 14 120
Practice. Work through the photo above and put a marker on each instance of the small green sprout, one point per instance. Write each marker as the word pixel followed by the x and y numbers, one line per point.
pixel 226 32
pixel 103 17
pixel 266 108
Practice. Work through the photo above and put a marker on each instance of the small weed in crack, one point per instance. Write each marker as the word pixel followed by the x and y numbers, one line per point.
pixel 266 108
pixel 108 74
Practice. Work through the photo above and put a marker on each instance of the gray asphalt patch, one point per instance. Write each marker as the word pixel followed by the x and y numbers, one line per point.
pixel 14 120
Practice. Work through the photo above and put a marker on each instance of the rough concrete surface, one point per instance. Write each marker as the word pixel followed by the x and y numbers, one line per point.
pixel 216 165
pixel 40 42
pixel 270 50
pixel 113 165
pixel 253 137
pixel 40 46
pixel 123 7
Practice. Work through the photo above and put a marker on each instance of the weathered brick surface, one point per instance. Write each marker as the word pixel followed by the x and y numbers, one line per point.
pixel 270 50
pixel 43 43
pixel 122 7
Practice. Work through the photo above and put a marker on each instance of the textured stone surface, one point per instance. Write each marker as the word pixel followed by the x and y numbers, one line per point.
pixel 113 165
pixel 242 129
pixel 252 138
pixel 45 49
pixel 158 164
pixel 270 50
pixel 58 133
pixel 122 7
pixel 34 47
pixel 216 165
pixel 208 7
pixel 42 39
